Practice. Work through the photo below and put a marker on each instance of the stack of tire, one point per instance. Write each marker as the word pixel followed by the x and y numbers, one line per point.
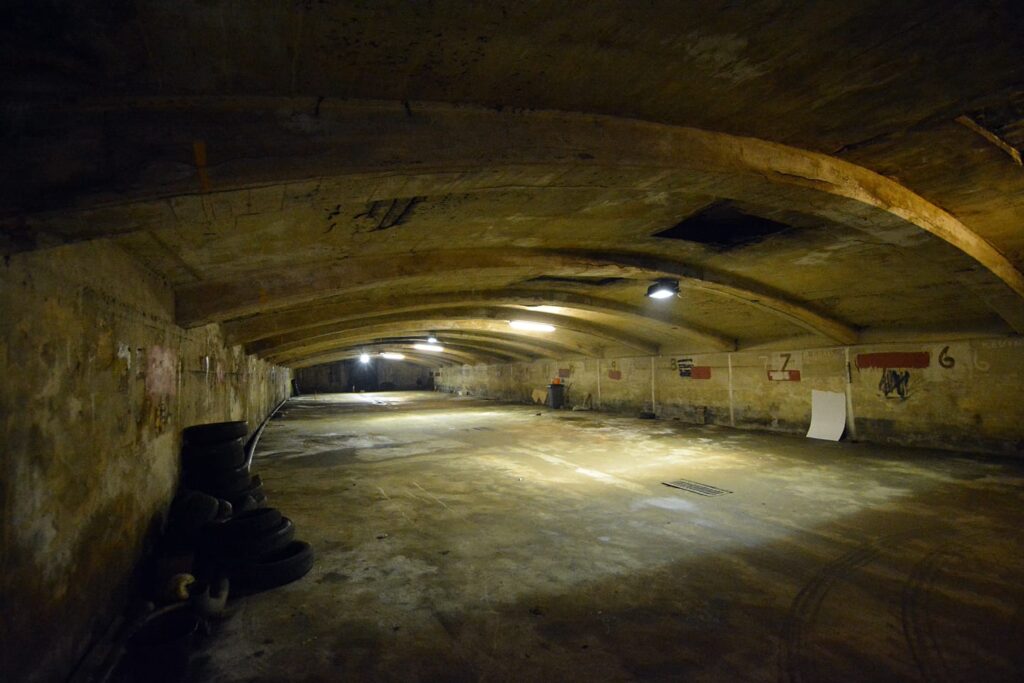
pixel 257 549
pixel 255 546
pixel 214 461
pixel 219 537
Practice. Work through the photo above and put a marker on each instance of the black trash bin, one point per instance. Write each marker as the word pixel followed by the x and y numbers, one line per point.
pixel 556 395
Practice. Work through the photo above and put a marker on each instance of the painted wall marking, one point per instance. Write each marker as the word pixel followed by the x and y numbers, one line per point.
pixel 613 370
pixel 688 370
pixel 785 373
pixel 895 384
pixel 894 359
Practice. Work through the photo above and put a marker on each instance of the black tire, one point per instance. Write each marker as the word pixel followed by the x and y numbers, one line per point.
pixel 251 524
pixel 225 455
pixel 254 489
pixel 225 510
pixel 193 509
pixel 188 515
pixel 288 564
pixel 221 483
pixel 215 432
pixel 245 503
pixel 266 543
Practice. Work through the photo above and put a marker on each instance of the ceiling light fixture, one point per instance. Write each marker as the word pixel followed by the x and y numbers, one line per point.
pixel 431 339
pixel 428 347
pixel 390 355
pixel 364 358
pixel 663 289
pixel 531 326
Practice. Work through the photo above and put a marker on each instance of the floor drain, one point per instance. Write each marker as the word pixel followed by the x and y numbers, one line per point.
pixel 695 487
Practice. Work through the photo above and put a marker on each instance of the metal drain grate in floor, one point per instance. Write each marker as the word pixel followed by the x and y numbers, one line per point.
pixel 696 487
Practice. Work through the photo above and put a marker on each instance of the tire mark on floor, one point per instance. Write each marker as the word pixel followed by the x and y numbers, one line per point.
pixel 918 628
pixel 793 664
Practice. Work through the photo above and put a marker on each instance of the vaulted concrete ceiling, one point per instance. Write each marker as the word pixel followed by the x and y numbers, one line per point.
pixel 323 178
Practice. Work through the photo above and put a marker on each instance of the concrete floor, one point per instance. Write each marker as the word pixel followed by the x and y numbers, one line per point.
pixel 467 540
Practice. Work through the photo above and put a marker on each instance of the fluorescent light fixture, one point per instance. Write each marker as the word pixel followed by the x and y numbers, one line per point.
pixel 530 326
pixel 431 339
pixel 390 355
pixel 544 308
pixel 364 358
pixel 663 289
pixel 428 347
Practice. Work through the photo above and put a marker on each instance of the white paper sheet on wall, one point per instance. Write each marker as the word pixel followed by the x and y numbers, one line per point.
pixel 828 415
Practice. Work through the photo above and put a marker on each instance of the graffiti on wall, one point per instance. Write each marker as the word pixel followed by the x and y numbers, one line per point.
pixel 895 384
pixel 896 367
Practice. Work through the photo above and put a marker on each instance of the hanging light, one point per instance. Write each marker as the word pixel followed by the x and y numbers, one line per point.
pixel 391 355
pixel 428 347
pixel 364 358
pixel 530 326
pixel 663 289
pixel 431 339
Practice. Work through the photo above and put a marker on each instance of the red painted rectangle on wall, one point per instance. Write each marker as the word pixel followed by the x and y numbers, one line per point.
pixel 615 374
pixel 894 359
pixel 700 372
pixel 564 372
pixel 784 375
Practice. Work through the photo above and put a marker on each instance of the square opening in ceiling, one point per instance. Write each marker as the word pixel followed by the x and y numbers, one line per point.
pixel 723 226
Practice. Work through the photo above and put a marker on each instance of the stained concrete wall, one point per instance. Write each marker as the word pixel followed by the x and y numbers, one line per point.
pixel 402 376
pixel 962 395
pixel 98 384
pixel 324 378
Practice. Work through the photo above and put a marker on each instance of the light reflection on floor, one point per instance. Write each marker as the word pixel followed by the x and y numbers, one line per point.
pixel 462 539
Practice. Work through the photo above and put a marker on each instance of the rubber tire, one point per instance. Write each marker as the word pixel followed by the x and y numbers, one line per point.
pixel 223 483
pixel 188 516
pixel 255 490
pixel 245 504
pixel 192 510
pixel 268 542
pixel 251 524
pixel 289 564
pixel 226 455
pixel 215 432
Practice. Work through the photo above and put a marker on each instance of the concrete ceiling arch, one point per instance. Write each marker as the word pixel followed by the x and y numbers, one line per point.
pixel 415 321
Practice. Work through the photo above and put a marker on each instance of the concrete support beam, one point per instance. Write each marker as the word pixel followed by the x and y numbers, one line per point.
pixel 414 320
pixel 326 317
pixel 216 301
pixel 555 144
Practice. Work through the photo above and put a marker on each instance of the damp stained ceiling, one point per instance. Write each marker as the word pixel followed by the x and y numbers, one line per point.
pixel 325 178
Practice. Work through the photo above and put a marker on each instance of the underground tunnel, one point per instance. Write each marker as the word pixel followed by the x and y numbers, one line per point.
pixel 534 341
